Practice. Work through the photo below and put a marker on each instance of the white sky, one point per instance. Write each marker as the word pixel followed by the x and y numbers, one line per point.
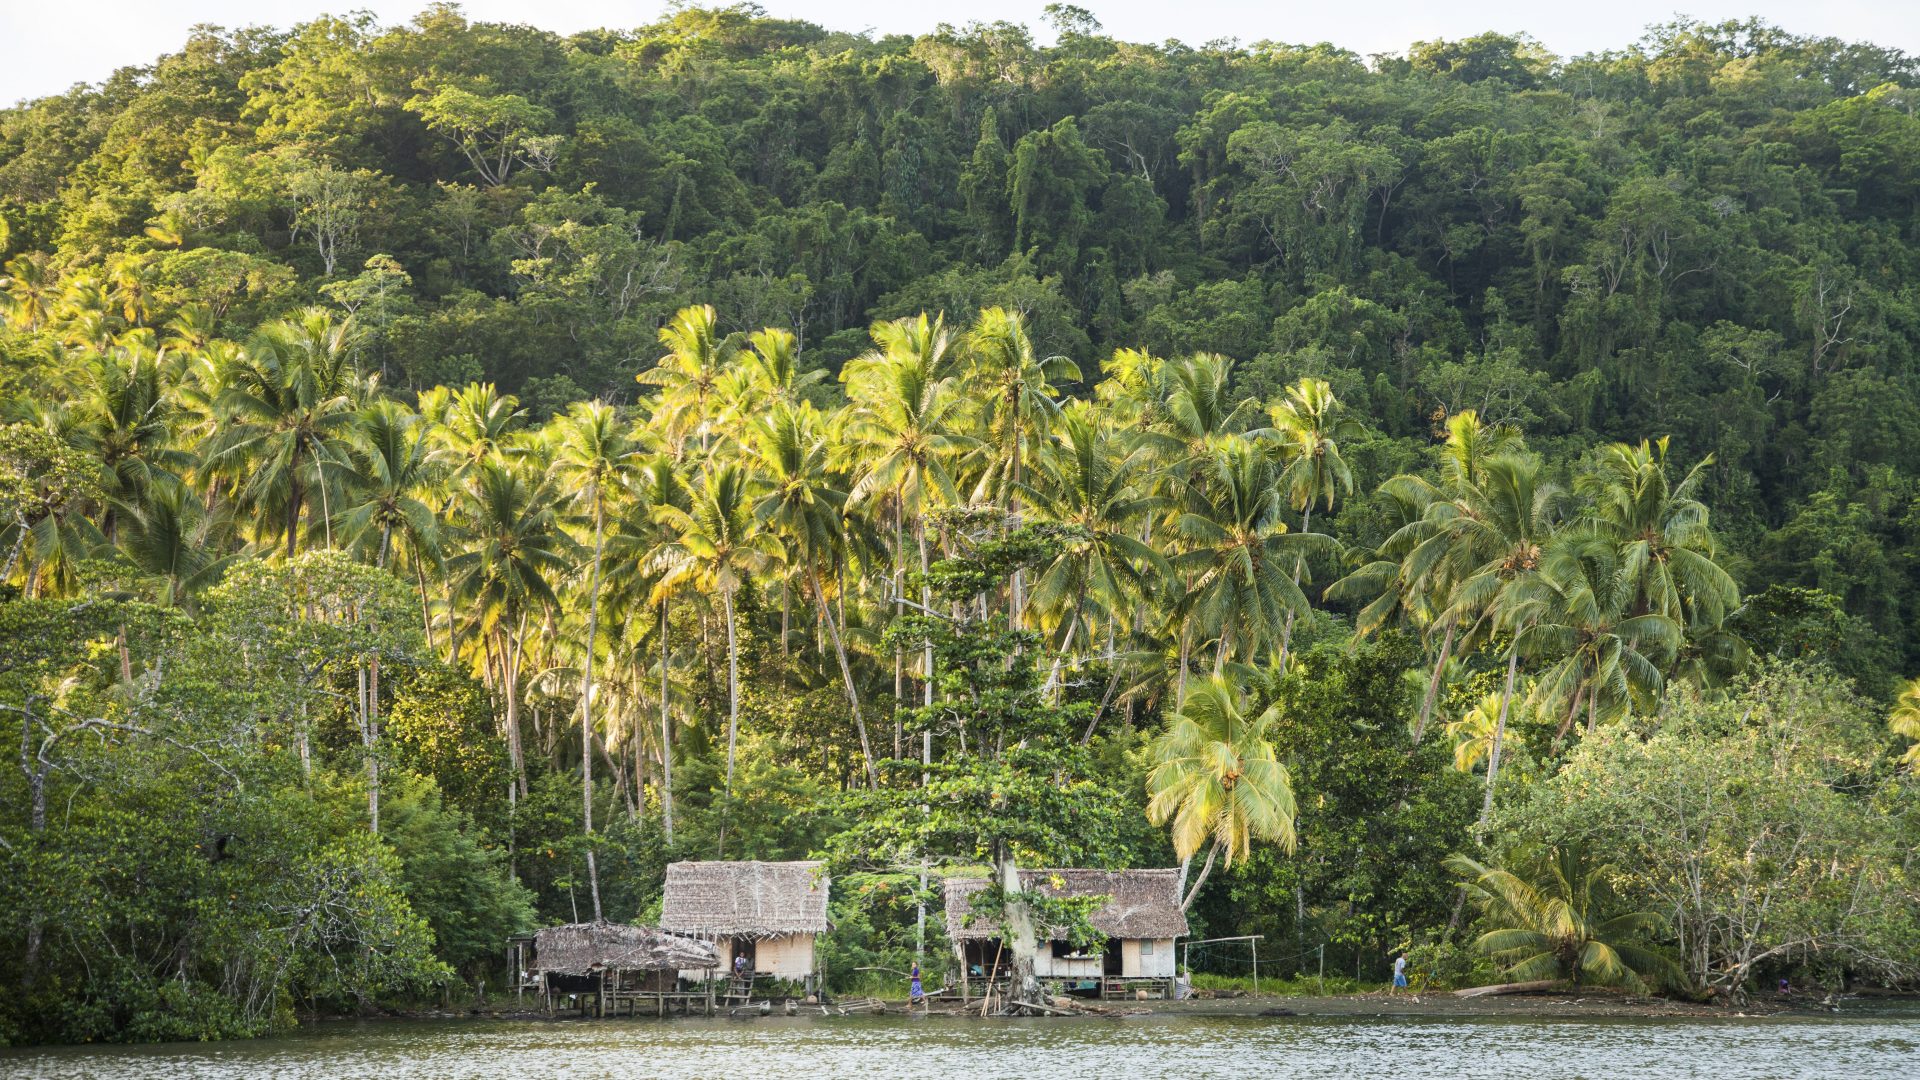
pixel 47 45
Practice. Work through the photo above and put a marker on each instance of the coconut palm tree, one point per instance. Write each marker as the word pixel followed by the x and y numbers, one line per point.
pixel 640 554
pixel 717 548
pixel 1236 553
pixel 1662 531
pixel 285 407
pixel 1472 734
pixel 504 576
pixel 391 471
pixel 1417 567
pixel 1306 426
pixel 1017 401
pixel 801 503
pixel 1552 918
pixel 1201 407
pixel 772 365
pixel 1607 657
pixel 472 425
pixel 31 290
pixel 170 535
pixel 594 456
pixel 1216 779
pixel 901 438
pixel 123 417
pixel 1904 721
pixel 689 374
pixel 1087 478
pixel 1488 540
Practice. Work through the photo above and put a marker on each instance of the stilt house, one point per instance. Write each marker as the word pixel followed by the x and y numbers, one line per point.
pixel 1141 918
pixel 769 912
pixel 603 963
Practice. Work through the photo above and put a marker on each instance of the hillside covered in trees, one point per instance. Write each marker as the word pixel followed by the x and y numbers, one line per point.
pixel 449 471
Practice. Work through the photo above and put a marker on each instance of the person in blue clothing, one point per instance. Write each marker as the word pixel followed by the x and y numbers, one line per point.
pixel 1400 972
pixel 915 992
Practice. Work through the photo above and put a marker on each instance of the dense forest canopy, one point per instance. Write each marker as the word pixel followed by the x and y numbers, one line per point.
pixel 449 471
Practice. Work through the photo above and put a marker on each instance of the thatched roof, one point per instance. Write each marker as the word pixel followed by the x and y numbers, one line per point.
pixel 582 948
pixel 745 899
pixel 1141 904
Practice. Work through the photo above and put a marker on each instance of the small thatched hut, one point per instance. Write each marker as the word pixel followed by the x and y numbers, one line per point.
pixel 608 959
pixel 768 912
pixel 1141 918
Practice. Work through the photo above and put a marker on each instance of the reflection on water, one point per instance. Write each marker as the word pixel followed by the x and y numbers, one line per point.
pixel 1780 1049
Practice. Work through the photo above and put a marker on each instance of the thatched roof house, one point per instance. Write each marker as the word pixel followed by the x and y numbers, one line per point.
pixel 768 912
pixel 745 899
pixel 1141 919
pixel 586 948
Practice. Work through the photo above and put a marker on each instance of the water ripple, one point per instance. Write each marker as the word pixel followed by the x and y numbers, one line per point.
pixel 1187 1046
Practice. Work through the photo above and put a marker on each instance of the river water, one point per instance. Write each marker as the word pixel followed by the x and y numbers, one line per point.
pixel 874 1048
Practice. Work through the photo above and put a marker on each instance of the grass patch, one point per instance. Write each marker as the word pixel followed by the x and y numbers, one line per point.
pixel 1298 986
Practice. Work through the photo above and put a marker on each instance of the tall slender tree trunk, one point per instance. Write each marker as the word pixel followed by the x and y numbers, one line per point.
pixel 1499 733
pixel 846 678
pixel 926 603
pixel 1205 868
pixel 511 651
pixel 733 687
pixel 368 736
pixel 899 609
pixel 666 736
pixel 295 496
pixel 1299 565
pixel 586 703
pixel 1433 684
pixel 1017 593
pixel 326 504
pixel 426 608
pixel 1186 644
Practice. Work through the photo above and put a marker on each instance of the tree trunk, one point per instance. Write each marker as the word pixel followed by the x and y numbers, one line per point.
pixel 1021 938
pixel 368 736
pixel 1499 732
pixel 1433 684
pixel 586 704
pixel 1299 564
pixel 1180 682
pixel 733 687
pixel 899 609
pixel 926 602
pixel 510 653
pixel 295 495
pixel 426 609
pixel 846 677
pixel 1205 869
pixel 666 737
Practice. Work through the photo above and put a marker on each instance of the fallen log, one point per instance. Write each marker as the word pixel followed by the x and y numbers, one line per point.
pixel 1507 988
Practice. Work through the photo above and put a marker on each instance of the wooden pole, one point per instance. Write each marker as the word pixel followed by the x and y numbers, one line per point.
pixel 1256 966
pixel 987 1000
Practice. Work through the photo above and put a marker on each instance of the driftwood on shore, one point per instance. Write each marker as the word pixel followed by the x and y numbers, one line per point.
pixel 1507 988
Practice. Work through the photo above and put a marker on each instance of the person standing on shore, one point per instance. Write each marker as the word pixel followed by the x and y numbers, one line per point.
pixel 914 993
pixel 1399 973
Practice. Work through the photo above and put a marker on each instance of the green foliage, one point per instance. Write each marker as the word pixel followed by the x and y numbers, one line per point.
pixel 1777 798
pixel 950 387
pixel 1373 819
pixel 453 879
pixel 1553 915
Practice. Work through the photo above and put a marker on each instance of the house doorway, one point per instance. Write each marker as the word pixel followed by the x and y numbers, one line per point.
pixel 1111 964
pixel 743 948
